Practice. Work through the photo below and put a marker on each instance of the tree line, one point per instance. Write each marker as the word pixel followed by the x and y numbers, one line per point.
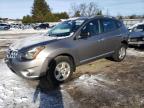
pixel 41 12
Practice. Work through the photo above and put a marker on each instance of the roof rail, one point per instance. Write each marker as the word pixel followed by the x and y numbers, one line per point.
pixel 107 16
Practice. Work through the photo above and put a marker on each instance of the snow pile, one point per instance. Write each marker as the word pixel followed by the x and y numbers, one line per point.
pixel 92 79
pixel 87 83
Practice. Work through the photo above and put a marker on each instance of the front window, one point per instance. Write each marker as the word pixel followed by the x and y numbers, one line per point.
pixel 66 28
pixel 92 28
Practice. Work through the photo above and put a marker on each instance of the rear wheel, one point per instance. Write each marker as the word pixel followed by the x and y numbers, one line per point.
pixel 60 69
pixel 120 54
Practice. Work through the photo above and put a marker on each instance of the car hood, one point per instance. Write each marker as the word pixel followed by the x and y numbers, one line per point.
pixel 136 34
pixel 33 41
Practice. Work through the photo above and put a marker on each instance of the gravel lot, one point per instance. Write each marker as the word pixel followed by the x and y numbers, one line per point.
pixel 101 84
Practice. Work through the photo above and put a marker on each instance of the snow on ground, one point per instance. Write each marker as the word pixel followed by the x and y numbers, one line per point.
pixel 134 52
pixel 20 31
pixel 16 92
pixel 89 83
pixel 90 89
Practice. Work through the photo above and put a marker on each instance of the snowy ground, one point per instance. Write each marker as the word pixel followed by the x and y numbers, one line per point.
pixel 20 31
pixel 136 52
pixel 116 85
pixel 101 84
pixel 16 92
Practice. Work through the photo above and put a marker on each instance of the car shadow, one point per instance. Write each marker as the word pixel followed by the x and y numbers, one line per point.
pixel 48 94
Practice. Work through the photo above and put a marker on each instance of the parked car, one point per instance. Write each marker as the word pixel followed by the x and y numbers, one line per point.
pixel 4 27
pixel 41 26
pixel 69 44
pixel 136 34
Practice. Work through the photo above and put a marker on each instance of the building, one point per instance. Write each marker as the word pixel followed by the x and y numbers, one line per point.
pixel 10 21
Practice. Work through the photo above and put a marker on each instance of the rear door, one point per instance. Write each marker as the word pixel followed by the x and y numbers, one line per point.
pixel 110 35
pixel 89 47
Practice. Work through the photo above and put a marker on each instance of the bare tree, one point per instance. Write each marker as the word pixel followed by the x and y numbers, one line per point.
pixel 90 9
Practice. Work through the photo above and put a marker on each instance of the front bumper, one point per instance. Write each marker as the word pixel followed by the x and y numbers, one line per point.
pixel 136 43
pixel 28 69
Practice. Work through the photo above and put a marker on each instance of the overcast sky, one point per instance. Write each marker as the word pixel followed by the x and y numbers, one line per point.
pixel 19 8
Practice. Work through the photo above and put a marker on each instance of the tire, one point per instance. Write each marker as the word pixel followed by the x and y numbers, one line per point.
pixel 120 54
pixel 66 67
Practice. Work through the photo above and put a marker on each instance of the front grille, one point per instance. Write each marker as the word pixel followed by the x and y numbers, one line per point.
pixel 12 53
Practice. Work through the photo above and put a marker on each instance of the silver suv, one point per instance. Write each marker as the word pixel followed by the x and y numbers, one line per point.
pixel 69 44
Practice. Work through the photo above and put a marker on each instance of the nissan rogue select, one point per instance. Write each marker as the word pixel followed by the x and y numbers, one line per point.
pixel 69 44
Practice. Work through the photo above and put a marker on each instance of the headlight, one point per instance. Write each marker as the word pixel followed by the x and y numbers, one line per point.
pixel 32 54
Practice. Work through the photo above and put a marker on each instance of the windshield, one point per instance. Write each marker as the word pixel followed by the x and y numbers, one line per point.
pixel 65 28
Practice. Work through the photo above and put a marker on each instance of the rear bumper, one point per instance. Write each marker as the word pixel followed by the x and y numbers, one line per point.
pixel 29 69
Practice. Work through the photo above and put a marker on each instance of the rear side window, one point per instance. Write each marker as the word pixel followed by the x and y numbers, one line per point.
pixel 109 25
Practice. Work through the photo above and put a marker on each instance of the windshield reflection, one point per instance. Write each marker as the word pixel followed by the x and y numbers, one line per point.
pixel 65 28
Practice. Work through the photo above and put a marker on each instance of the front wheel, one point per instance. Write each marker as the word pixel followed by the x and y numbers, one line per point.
pixel 120 54
pixel 60 69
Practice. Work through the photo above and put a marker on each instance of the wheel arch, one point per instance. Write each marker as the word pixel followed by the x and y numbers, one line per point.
pixel 67 55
